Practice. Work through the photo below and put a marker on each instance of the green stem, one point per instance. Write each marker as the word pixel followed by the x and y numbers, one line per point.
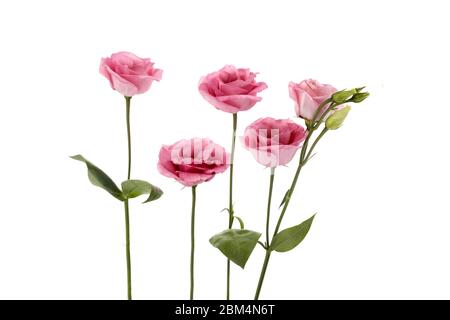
pixel 269 202
pixel 192 241
pixel 267 257
pixel 127 212
pixel 128 103
pixel 127 241
pixel 230 199
pixel 322 133
pixel 228 279
pixel 263 273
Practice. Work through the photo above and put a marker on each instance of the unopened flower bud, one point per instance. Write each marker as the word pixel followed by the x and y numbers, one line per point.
pixel 342 96
pixel 337 118
pixel 359 97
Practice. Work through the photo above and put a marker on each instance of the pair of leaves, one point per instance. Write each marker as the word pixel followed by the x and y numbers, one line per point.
pixel 236 244
pixel 130 188
pixel 241 222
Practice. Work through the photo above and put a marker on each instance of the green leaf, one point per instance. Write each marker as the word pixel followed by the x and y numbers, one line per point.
pixel 241 222
pixel 289 238
pixel 236 245
pixel 284 198
pixel 100 179
pixel 135 188
pixel 336 120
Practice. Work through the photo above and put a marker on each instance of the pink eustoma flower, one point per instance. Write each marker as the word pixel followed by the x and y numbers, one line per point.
pixel 129 74
pixel 273 142
pixel 231 89
pixel 308 95
pixel 193 161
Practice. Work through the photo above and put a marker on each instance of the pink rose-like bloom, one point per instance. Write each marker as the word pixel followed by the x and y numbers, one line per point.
pixel 273 142
pixel 231 89
pixel 129 74
pixel 193 161
pixel 308 95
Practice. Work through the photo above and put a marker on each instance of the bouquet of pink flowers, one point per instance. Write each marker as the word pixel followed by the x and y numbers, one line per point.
pixel 272 142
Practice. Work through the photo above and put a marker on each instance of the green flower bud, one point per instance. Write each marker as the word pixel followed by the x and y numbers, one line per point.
pixel 359 97
pixel 337 118
pixel 343 95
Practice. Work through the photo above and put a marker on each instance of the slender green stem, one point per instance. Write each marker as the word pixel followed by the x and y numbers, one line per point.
pixel 128 252
pixel 263 273
pixel 228 279
pixel 192 241
pixel 269 202
pixel 127 212
pixel 288 198
pixel 267 257
pixel 230 197
pixel 322 133
pixel 128 103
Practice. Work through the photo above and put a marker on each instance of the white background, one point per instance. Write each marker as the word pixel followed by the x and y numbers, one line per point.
pixel 379 184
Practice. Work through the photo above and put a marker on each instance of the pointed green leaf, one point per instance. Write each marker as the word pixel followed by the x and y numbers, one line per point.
pixel 284 198
pixel 135 188
pixel 241 222
pixel 289 238
pixel 236 245
pixel 100 179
